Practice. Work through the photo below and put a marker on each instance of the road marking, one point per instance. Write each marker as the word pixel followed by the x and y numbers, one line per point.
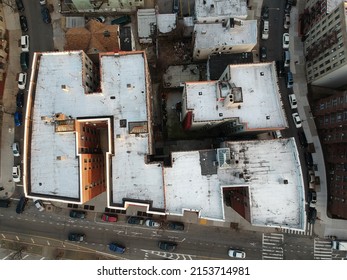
pixel 42 258
pixel 32 240
pixel 25 257
pixel 8 255
pixel 48 242
pixel 17 237
pixel 3 236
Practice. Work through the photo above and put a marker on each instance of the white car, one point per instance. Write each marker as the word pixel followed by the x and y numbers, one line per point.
pixel 286 41
pixel 236 254
pixel 286 21
pixel 24 43
pixel 42 2
pixel 297 120
pixel 15 149
pixel 39 205
pixel 152 223
pixel 277 134
pixel 22 80
pixel 265 33
pixel 292 101
pixel 16 173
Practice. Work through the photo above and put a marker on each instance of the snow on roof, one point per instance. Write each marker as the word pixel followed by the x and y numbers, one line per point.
pixel 332 4
pixel 273 176
pixel 221 8
pixel 166 22
pixel 123 77
pixel 215 35
pixel 261 98
pixel 145 19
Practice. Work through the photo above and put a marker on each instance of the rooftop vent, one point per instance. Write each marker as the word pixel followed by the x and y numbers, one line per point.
pixel 285 181
pixel 107 33
pixel 65 88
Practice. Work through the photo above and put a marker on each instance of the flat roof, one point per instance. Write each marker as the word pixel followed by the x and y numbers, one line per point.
pixel 215 35
pixel 221 8
pixel 261 107
pixel 264 165
pixel 123 78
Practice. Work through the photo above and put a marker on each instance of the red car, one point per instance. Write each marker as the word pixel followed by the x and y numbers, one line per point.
pixel 109 218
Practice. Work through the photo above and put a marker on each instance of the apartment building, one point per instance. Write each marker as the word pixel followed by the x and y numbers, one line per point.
pixel 331 118
pixel 325 45
pixel 231 36
pixel 226 103
pixel 212 11
pixel 100 6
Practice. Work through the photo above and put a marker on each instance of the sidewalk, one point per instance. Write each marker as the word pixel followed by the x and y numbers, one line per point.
pixel 8 104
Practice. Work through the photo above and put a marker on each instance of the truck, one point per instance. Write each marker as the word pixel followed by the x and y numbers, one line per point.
pixel 339 245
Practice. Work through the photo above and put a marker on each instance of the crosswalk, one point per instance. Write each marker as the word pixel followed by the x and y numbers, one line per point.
pixel 308 231
pixel 322 249
pixel 272 246
pixel 168 255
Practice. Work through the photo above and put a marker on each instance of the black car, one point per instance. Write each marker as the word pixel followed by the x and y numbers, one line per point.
pixel 312 196
pixel 20 99
pixel 308 159
pixel 302 139
pixel 136 220
pixel 175 226
pixel 115 247
pixel 21 204
pixel 167 246
pixel 24 61
pixel 45 15
pixel 312 215
pixel 23 23
pixel 20 6
pixel 76 236
pixel 265 12
pixel 263 54
pixel 288 8
pixel 280 68
pixel 77 214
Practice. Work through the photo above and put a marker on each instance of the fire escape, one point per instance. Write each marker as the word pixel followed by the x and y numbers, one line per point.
pixel 311 16
pixel 320 46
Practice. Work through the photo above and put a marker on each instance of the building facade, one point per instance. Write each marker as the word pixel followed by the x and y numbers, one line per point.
pixel 331 119
pixel 325 45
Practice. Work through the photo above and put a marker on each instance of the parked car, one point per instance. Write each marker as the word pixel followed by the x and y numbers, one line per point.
pixel 288 8
pixel 77 214
pixel 263 53
pixel 302 139
pixel 24 60
pixel 277 134
pixel 24 43
pixel 17 118
pixel 22 80
pixel 289 79
pixel 20 5
pixel 46 17
pixel 265 33
pixel 109 218
pixel 297 120
pixel 312 215
pixel 312 197
pixel 236 254
pixel 167 245
pixel 76 236
pixel 286 21
pixel 308 159
pixel 16 173
pixel 39 205
pixel 286 58
pixel 285 41
pixel 292 101
pixel 311 179
pixel 101 19
pixel 114 247
pixel 265 12
pixel 23 23
pixel 15 149
pixel 175 226
pixel 20 99
pixel 136 220
pixel 152 223
pixel 21 205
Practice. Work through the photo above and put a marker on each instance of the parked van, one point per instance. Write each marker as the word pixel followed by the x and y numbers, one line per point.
pixel 286 58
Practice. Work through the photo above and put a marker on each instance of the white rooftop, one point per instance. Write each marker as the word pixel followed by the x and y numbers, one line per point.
pixel 215 35
pixel 221 8
pixel 166 22
pixel 332 4
pixel 268 164
pixel 146 21
pixel 123 77
pixel 261 107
